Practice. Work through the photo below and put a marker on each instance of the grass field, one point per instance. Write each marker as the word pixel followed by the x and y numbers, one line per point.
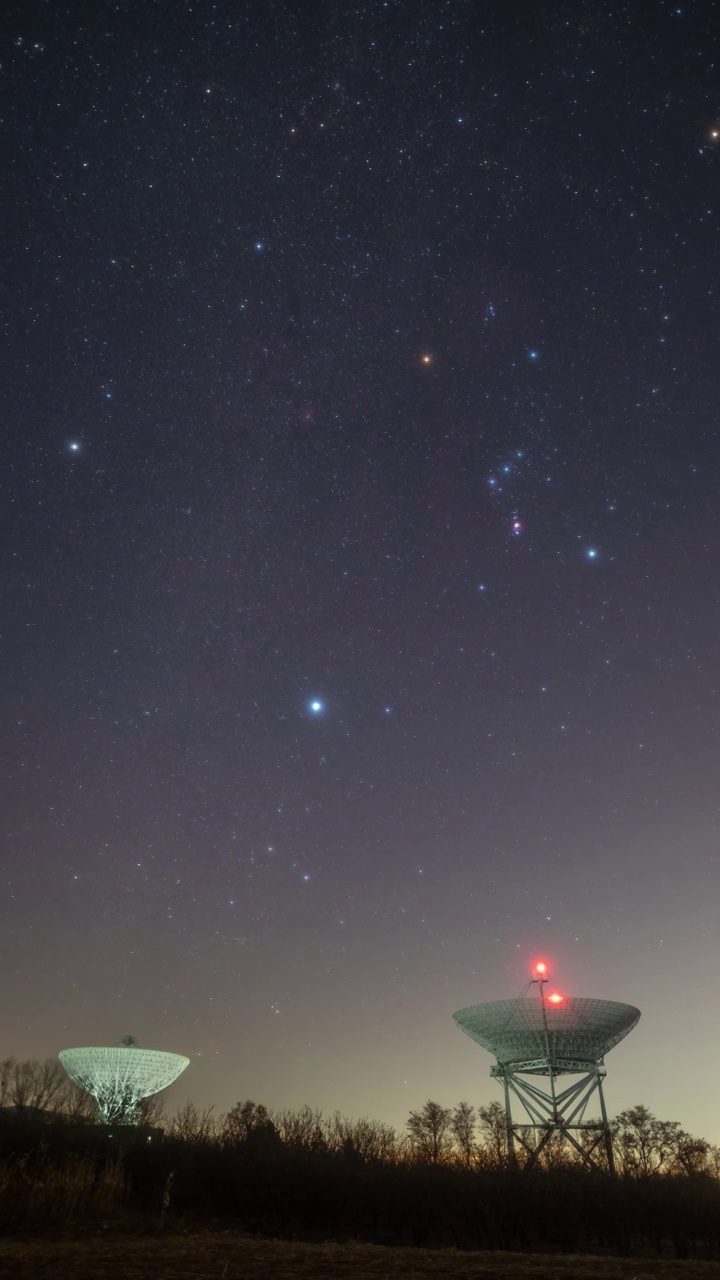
pixel 235 1257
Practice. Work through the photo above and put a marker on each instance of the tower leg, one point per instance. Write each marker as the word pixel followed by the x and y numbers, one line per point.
pixel 607 1136
pixel 509 1125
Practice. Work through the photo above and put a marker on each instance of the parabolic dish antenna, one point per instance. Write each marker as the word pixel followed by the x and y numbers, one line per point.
pixel 118 1077
pixel 577 1029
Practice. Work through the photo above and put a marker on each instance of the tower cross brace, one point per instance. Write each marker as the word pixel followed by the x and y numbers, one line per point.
pixel 550 1111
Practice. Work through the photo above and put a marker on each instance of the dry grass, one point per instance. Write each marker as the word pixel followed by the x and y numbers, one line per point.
pixel 37 1194
pixel 235 1257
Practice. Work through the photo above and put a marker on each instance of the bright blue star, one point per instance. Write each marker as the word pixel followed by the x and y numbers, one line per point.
pixel 259 246
pixel 74 447
pixel 316 707
pixel 591 553
pixel 533 355
pixel 482 587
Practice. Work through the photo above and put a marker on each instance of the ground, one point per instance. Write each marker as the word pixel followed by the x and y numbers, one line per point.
pixel 231 1256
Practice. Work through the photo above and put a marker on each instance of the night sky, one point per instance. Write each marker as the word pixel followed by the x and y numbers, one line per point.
pixel 362 597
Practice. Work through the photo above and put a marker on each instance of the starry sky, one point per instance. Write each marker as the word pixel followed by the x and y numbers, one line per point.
pixel 362 610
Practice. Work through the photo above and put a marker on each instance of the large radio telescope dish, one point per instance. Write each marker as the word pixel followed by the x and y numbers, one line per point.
pixel 579 1030
pixel 551 1036
pixel 118 1077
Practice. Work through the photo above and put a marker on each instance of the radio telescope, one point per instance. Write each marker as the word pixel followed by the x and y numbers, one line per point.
pixel 118 1077
pixel 551 1036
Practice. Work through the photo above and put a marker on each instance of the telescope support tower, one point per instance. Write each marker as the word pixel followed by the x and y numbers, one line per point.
pixel 548 1111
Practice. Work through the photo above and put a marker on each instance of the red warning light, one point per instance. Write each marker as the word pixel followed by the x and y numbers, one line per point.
pixel 540 968
pixel 556 998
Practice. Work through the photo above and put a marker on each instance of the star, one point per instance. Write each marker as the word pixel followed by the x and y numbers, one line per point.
pixel 591 553
pixel 426 358
pixel 316 706
pixel 74 446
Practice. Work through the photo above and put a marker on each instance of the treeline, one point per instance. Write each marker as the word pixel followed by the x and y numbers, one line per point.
pixel 444 1180
pixel 465 1136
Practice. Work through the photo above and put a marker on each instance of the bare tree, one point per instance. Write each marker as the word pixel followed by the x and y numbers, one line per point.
pixel 35 1084
pixel 7 1067
pixel 75 1105
pixel 303 1128
pixel 430 1132
pixel 244 1119
pixel 463 1129
pixel 690 1155
pixel 189 1124
pixel 493 1134
pixel 643 1143
pixel 369 1140
pixel 22 1084
pixel 713 1161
